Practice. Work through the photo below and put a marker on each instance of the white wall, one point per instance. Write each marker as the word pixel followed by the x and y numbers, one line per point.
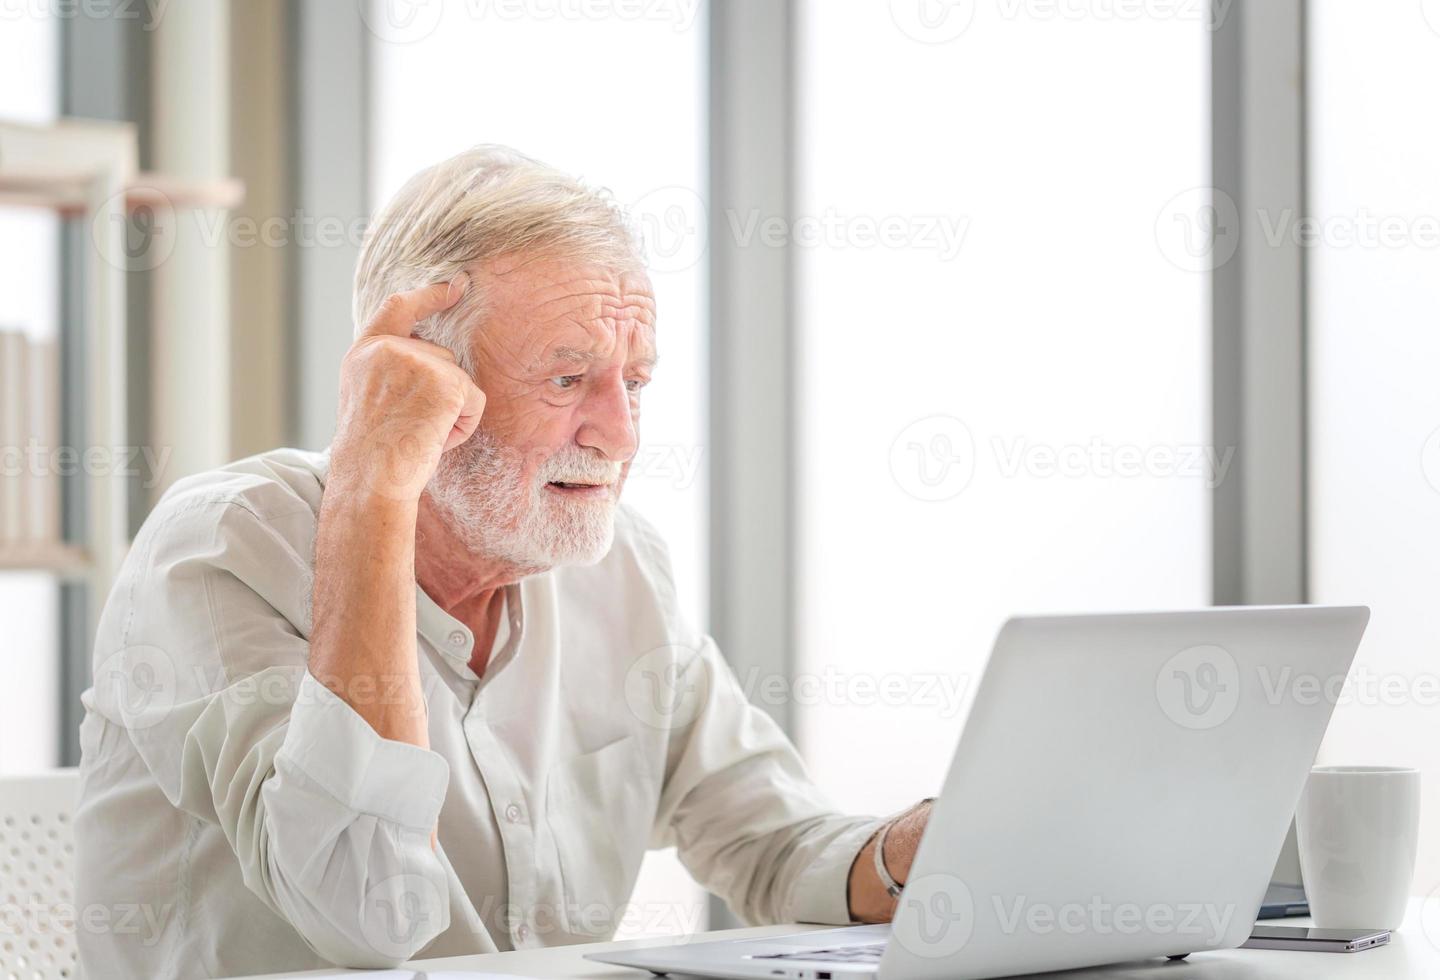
pixel 1374 397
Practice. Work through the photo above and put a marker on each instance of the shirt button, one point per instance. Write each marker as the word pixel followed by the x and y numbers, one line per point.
pixel 457 638
pixel 522 933
pixel 512 813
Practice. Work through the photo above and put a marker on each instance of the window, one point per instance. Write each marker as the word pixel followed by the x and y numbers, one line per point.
pixel 29 281
pixel 1374 300
pixel 1004 385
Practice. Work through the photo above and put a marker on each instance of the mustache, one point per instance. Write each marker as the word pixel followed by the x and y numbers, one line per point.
pixel 485 457
pixel 575 465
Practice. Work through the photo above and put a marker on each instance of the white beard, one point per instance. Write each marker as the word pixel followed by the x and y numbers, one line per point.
pixel 480 489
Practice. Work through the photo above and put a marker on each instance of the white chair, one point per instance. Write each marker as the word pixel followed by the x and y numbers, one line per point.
pixel 37 858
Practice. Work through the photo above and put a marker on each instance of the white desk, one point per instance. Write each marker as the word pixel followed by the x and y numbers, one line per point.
pixel 1411 955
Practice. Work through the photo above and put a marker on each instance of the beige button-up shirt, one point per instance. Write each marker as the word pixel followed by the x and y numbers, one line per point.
pixel 236 816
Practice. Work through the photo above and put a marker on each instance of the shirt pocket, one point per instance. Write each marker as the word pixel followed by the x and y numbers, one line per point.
pixel 600 807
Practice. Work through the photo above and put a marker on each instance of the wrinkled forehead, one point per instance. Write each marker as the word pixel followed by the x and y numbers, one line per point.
pixel 539 307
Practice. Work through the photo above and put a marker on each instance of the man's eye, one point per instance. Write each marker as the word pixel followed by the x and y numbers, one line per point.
pixel 567 381
pixel 634 384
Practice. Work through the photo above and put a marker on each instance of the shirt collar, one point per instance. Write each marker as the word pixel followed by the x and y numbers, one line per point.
pixel 451 638
pixel 454 641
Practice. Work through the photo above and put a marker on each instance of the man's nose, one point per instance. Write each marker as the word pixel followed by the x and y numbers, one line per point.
pixel 609 424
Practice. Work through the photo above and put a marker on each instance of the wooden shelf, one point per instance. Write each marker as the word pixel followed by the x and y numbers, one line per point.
pixel 61 559
pixel 86 169
pixel 65 193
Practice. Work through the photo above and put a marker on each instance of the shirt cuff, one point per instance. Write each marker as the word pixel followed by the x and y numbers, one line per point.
pixel 336 749
pixel 821 894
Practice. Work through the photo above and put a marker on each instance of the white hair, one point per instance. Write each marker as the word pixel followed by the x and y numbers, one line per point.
pixel 480 204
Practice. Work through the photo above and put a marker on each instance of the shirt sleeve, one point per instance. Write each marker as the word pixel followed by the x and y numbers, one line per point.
pixel 737 802
pixel 329 821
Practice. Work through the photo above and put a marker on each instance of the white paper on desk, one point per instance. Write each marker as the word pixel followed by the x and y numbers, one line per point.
pixel 403 974
pixel 463 975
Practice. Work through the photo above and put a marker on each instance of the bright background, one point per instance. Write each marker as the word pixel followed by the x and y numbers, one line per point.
pixel 961 389
pixel 1056 322
pixel 1374 401
pixel 29 271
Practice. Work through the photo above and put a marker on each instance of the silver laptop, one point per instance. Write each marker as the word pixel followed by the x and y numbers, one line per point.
pixel 1121 790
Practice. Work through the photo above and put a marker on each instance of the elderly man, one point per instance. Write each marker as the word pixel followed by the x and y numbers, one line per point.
pixel 428 692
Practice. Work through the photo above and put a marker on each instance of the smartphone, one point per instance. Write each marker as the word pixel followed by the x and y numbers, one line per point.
pixel 1319 940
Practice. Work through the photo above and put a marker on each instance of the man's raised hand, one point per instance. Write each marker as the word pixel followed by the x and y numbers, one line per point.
pixel 403 401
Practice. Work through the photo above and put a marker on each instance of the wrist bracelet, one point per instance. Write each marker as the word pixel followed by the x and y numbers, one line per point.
pixel 892 887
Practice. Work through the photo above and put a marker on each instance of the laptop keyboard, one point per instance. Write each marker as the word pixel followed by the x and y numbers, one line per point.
pixel 866 953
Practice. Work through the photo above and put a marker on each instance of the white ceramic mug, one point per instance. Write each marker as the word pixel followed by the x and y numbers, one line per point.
pixel 1357 827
